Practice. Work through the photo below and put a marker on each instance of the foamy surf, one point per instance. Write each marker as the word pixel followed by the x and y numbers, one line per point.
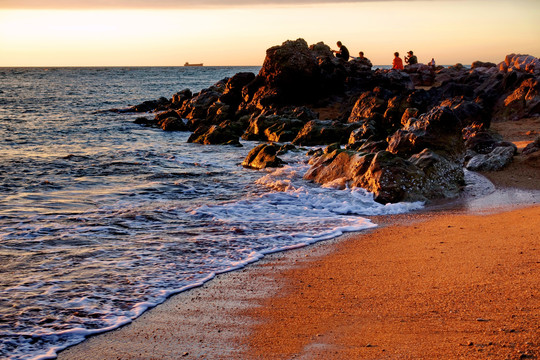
pixel 101 219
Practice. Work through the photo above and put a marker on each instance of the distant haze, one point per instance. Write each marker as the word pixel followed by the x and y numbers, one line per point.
pixel 238 32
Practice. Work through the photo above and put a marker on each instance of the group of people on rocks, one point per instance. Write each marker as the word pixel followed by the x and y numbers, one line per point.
pixel 397 62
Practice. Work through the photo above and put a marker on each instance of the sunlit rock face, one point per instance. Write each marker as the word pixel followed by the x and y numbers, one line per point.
pixel 526 63
pixel 263 156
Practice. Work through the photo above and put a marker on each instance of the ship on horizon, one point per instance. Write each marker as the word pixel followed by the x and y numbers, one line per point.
pixel 188 64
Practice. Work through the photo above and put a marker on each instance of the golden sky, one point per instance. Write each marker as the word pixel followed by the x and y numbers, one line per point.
pixel 237 32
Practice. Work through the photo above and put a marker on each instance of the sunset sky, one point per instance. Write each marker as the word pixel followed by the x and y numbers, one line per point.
pixel 237 32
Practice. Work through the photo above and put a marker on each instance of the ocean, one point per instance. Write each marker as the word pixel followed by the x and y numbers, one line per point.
pixel 101 218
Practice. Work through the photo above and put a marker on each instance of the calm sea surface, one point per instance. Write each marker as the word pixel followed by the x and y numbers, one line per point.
pixel 101 218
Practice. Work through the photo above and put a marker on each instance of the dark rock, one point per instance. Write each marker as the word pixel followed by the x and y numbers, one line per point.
pixel 173 124
pixel 481 64
pixel 317 132
pixel 197 107
pixel 145 121
pixel 438 130
pixel 480 141
pixel 165 115
pixel 215 135
pixel 497 159
pixel 151 105
pixel 263 156
pixel 532 147
pixel 442 178
pixel 421 74
pixel 522 102
pixel 392 179
pixel 180 97
pixel 293 69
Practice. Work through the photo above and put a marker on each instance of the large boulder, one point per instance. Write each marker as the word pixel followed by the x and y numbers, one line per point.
pixel 391 178
pixel 293 69
pixel 438 130
pixel 263 156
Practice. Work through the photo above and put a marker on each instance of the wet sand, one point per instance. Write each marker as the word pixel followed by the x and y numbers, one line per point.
pixel 458 281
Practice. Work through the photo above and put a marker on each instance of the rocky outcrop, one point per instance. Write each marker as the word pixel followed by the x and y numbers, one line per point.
pixel 525 63
pixel 421 74
pixel 421 161
pixel 407 133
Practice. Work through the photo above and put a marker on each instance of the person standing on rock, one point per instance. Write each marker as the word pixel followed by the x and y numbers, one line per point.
pixel 397 63
pixel 411 59
pixel 343 52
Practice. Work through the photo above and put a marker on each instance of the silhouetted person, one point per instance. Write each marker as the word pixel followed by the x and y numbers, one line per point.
pixel 343 52
pixel 397 63
pixel 411 58
pixel 363 60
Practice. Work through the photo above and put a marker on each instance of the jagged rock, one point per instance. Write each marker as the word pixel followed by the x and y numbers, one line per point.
pixel 173 124
pixel 166 114
pixel 272 128
pixel 438 130
pixel 234 88
pixel 180 97
pixel 526 63
pixel 522 102
pixel 197 107
pixel 222 134
pixel 317 132
pixel 497 159
pixel 263 156
pixel 410 114
pixel 338 165
pixel 369 104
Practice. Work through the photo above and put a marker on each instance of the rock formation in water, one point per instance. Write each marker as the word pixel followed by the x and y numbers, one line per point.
pixel 406 135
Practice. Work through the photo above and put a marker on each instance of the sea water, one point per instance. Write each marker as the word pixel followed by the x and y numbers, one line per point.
pixel 101 218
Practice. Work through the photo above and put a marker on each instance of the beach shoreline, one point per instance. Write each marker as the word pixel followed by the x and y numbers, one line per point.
pixel 228 317
pixel 273 309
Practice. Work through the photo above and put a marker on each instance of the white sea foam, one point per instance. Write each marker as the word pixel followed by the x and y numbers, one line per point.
pixel 129 216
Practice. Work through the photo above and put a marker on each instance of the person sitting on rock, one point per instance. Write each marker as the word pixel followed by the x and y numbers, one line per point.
pixel 397 63
pixel 411 59
pixel 363 60
pixel 343 52
pixel 432 62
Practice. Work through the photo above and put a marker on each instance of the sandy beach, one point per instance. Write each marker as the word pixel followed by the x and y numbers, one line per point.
pixel 458 282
